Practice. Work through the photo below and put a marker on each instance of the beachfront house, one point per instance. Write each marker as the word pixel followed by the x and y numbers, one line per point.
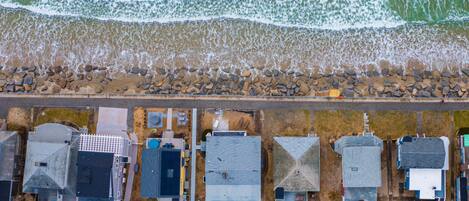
pixel 296 167
pixel 9 150
pixel 361 166
pixel 100 166
pixel 462 189
pixel 233 168
pixel 163 169
pixel 49 168
pixel 424 161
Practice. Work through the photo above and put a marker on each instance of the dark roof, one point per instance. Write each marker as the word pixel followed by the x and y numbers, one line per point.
pixel 421 152
pixel 229 133
pixel 5 190
pixel 94 174
pixel 161 173
pixel 170 172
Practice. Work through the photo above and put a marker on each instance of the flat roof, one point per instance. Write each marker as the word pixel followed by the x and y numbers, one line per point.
pixel 94 174
pixel 426 181
pixel 6 190
pixel 170 172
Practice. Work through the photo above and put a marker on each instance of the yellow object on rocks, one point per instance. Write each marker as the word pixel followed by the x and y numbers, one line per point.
pixel 334 93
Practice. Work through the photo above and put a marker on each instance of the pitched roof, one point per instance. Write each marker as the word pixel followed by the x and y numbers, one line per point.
pixel 48 157
pixel 161 173
pixel 8 147
pixel 361 166
pixel 366 194
pixel 361 160
pixel 296 163
pixel 94 174
pixel 421 152
pixel 233 168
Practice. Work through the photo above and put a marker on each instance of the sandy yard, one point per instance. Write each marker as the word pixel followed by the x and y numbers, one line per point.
pixel 142 132
pixel 19 119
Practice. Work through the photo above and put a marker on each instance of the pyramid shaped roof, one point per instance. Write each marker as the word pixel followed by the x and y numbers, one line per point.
pixel 296 163
pixel 48 158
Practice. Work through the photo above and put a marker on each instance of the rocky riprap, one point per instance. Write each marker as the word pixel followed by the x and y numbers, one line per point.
pixel 389 82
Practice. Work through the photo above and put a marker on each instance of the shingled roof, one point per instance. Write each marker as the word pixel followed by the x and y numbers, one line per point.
pixel 421 152
pixel 233 168
pixel 296 164
pixel 361 166
pixel 48 158
pixel 8 149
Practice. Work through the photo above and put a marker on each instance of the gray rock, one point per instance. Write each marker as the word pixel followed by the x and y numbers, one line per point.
pixel 465 71
pixel 28 80
pixel 10 88
pixel 348 92
pixel 350 72
pixel 275 72
pixel 445 90
pixel 424 94
pixel 397 93
pixel 57 69
pixel 385 72
pixel 446 73
pixel 143 71
pixel 135 70
pixel 88 68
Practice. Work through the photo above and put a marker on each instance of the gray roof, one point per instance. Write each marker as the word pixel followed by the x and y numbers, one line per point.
pixel 421 152
pixel 233 168
pixel 55 147
pixel 149 184
pixel 361 160
pixel 8 149
pixel 365 194
pixel 296 163
pixel 360 140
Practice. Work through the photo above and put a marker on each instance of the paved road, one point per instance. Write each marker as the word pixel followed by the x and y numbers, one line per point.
pixel 313 104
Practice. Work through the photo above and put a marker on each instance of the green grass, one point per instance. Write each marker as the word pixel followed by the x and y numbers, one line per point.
pixel 393 123
pixel 461 119
pixel 340 122
pixel 79 117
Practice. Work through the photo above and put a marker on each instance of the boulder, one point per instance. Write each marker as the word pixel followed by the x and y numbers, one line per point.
pixel 88 68
pixel 348 92
pixel 246 73
pixel 143 71
pixel 465 71
pixel 28 80
pixel 135 70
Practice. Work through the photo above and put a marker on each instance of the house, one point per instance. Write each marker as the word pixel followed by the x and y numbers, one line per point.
pixel 296 167
pixel 51 151
pixel 233 168
pixel 462 193
pixel 424 161
pixel 361 166
pixel 163 169
pixel 9 150
pixel 100 166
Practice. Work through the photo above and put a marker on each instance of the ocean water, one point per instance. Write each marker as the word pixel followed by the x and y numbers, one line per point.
pixel 213 33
